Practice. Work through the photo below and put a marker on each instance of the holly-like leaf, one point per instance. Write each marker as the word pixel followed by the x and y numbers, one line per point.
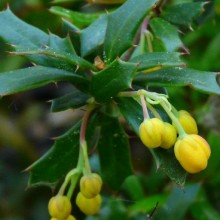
pixel 26 37
pixel 19 33
pixel 122 26
pixel 73 32
pixel 61 158
pixel 167 33
pixel 157 59
pixel 69 58
pixel 33 77
pixel 93 36
pixel 183 14
pixel 208 82
pixel 77 18
pixel 165 160
pixel 114 154
pixel 109 82
pixel 74 99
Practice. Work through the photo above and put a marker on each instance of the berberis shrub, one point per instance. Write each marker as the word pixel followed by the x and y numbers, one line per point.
pixel 119 61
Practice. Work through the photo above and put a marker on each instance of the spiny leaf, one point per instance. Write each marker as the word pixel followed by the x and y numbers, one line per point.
pixel 74 99
pixel 157 59
pixel 93 36
pixel 122 26
pixel 183 14
pixel 109 82
pixel 33 77
pixel 208 82
pixel 167 33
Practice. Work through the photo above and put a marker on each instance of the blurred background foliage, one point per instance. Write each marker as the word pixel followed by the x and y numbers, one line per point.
pixel 27 128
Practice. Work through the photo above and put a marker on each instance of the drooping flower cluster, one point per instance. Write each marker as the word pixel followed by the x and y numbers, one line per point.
pixel 191 150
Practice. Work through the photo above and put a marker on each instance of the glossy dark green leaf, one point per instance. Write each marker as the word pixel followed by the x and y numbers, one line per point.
pixel 22 35
pixel 93 36
pixel 165 159
pixel 19 33
pixel 73 32
pixel 33 77
pixel 208 82
pixel 159 59
pixel 178 202
pixel 183 14
pixel 74 99
pixel 69 58
pixel 109 82
pixel 114 154
pixel 122 26
pixel 77 18
pixel 167 33
pixel 61 158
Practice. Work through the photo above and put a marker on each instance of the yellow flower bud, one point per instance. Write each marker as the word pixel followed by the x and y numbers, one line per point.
pixel 71 217
pixel 169 136
pixel 59 207
pixel 88 206
pixel 90 185
pixel 151 131
pixel 192 152
pixel 188 122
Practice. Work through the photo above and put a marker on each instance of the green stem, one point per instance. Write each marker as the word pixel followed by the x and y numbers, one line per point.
pixel 144 107
pixel 153 110
pixel 149 42
pixel 74 181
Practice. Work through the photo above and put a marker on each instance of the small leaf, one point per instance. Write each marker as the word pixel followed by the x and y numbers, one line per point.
pixel 165 160
pixel 178 202
pixel 208 82
pixel 183 14
pixel 33 77
pixel 167 33
pixel 113 148
pixel 74 99
pixel 61 158
pixel 19 33
pixel 109 82
pixel 122 26
pixel 93 36
pixel 73 32
pixel 77 18
pixel 69 58
pixel 160 59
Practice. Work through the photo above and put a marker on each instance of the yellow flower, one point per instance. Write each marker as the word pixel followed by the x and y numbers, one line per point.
pixel 90 185
pixel 59 207
pixel 192 152
pixel 151 131
pixel 188 122
pixel 169 136
pixel 70 217
pixel 88 206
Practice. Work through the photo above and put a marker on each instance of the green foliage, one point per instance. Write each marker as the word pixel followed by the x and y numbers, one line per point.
pixel 137 44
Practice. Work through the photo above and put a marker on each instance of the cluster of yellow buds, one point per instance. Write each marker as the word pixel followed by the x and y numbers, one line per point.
pixel 191 150
pixel 88 199
pixel 60 208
